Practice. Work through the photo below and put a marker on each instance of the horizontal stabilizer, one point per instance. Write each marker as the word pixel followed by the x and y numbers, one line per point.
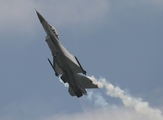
pixel 70 90
pixel 85 82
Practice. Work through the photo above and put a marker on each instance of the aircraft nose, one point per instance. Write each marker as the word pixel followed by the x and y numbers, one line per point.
pixel 40 17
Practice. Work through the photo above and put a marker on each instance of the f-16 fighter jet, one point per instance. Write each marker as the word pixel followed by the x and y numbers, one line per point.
pixel 65 65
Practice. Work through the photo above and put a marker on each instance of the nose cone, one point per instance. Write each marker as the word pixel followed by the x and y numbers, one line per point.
pixel 40 17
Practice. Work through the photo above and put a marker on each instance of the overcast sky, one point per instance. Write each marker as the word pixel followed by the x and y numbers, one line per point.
pixel 121 41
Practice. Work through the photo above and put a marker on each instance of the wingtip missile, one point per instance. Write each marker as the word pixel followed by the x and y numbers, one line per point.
pixel 53 67
pixel 84 72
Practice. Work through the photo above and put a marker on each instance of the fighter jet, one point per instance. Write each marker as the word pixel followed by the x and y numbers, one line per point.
pixel 65 65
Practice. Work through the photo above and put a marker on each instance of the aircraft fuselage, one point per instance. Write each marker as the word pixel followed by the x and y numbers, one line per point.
pixel 60 53
pixel 64 63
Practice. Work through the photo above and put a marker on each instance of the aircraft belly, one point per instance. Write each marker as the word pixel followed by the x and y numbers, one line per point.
pixel 56 53
pixel 60 61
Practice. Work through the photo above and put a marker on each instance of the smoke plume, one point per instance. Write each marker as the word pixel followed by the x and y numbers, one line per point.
pixel 129 101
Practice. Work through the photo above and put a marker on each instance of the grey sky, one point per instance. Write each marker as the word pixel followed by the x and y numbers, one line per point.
pixel 121 41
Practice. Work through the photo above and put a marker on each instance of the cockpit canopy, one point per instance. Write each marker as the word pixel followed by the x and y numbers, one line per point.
pixel 54 30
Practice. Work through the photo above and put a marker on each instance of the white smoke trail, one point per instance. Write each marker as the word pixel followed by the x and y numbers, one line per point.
pixel 99 101
pixel 139 106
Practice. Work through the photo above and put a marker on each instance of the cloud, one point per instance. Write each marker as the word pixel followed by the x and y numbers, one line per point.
pixel 79 12
pixel 134 108
pixel 19 18
pixel 17 13
pixel 137 104
pixel 21 14
pixel 100 114
pixel 19 21
pixel 97 98
pixel 156 3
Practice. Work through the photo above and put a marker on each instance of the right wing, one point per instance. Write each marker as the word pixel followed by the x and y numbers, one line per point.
pixel 73 65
